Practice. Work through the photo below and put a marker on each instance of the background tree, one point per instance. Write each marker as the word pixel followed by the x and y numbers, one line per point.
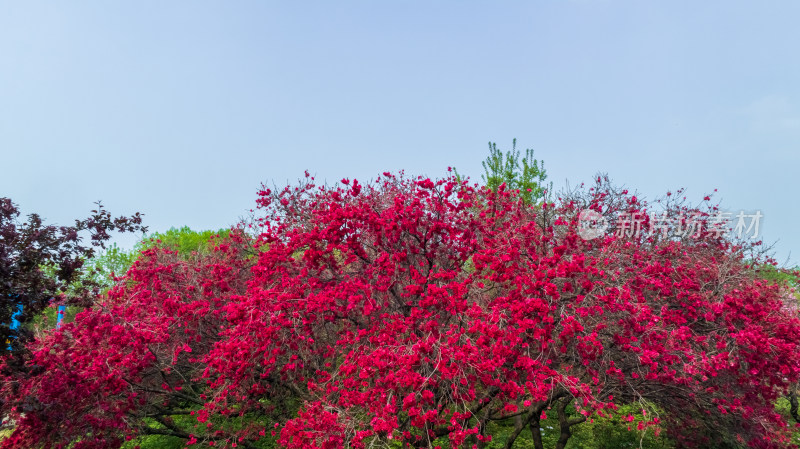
pixel 525 174
pixel 38 262
pixel 184 241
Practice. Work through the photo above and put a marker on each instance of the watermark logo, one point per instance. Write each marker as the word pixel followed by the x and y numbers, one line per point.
pixel 591 224
pixel 742 226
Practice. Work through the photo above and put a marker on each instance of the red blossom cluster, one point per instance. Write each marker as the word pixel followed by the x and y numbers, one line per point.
pixel 419 311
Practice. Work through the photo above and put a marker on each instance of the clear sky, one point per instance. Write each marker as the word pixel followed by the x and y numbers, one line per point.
pixel 181 109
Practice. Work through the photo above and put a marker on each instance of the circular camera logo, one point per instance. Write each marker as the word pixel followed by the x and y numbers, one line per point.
pixel 591 224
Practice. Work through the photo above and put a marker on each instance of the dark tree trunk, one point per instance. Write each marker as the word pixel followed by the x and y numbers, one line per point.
pixel 536 432
pixel 793 406
pixel 565 422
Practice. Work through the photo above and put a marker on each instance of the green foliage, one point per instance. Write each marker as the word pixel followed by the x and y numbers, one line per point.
pixel 782 407
pixel 526 174
pixel 183 240
pixel 188 422
pixel 112 262
pixel 597 433
pixel 607 432
pixel 786 277
pixel 616 432
pixel 155 442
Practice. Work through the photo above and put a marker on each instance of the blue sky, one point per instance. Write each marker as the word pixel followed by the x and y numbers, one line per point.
pixel 181 109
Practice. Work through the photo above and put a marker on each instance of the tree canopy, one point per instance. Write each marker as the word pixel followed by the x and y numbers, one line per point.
pixel 419 313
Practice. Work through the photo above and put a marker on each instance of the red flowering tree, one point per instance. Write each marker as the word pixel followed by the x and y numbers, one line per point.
pixel 412 312
pixel 131 365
